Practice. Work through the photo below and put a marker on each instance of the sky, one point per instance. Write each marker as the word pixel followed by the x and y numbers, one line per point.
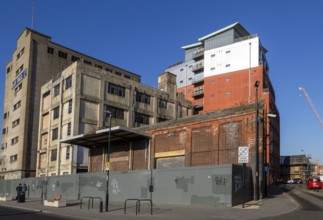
pixel 146 36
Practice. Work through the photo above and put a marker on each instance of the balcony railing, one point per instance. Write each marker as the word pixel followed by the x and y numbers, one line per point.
pixel 198 92
pixel 198 67
pixel 198 53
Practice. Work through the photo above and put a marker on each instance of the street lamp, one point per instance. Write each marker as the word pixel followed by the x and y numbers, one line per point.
pixel 266 145
pixel 107 166
pixel 257 142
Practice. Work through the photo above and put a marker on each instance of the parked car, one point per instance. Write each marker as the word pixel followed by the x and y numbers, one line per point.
pixel 290 181
pixel 314 183
pixel 297 181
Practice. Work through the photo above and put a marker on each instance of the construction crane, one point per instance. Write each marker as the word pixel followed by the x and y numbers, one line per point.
pixel 311 105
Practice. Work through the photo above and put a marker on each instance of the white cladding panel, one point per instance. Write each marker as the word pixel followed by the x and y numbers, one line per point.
pixel 232 57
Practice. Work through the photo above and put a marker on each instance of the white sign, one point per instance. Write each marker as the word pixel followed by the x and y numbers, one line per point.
pixel 243 154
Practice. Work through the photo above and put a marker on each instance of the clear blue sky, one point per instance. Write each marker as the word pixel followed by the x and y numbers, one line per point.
pixel 145 36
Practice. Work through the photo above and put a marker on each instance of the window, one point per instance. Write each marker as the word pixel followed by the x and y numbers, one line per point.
pixel 18 71
pixel 227 79
pixel 182 69
pixel 108 69
pixel 98 66
pixel 228 93
pixel 141 118
pixel 87 62
pixel 46 94
pixel 213 68
pixel 116 90
pixel 15 123
pixel 126 76
pixel 53 155
pixel 17 89
pixel 5 115
pixel 68 82
pixel 20 53
pixel 162 104
pixel 181 81
pixel 55 113
pixel 8 70
pixel 4 131
pixel 74 58
pixel 228 65
pixel 17 105
pixel 142 97
pixel 228 51
pixel 50 50
pixel 56 90
pixel 13 158
pixel 118 73
pixel 69 129
pixel 115 112
pixel 67 155
pixel 55 134
pixel 69 109
pixel 14 140
pixel 62 54
pixel 212 55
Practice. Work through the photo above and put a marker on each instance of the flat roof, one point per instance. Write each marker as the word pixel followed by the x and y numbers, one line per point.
pixel 101 137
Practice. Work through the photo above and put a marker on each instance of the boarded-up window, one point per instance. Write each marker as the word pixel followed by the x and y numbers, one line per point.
pixel 89 110
pixel 46 100
pixel 90 86
pixel 170 141
pixel 230 140
pixel 44 140
pixel 45 121
pixel 42 164
pixel 203 146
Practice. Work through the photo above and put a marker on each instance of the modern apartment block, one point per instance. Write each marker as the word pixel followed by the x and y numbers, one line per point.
pixel 220 71
pixel 36 61
pixel 78 102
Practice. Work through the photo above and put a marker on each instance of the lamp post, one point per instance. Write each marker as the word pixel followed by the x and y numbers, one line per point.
pixel 257 142
pixel 266 145
pixel 107 166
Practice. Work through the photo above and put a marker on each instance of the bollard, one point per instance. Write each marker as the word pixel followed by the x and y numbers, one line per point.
pixel 101 206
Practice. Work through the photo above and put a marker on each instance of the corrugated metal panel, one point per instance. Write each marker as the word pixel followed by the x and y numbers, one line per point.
pixel 220 40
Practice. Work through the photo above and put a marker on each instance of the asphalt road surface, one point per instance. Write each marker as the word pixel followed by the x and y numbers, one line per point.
pixel 310 204
pixel 13 214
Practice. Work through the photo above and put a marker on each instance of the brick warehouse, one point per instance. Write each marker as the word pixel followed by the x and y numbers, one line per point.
pixel 206 139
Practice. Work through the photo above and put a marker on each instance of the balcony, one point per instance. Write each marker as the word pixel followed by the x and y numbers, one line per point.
pixel 198 53
pixel 198 78
pixel 198 67
pixel 198 92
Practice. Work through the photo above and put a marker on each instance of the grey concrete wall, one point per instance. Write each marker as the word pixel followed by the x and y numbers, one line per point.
pixel 220 185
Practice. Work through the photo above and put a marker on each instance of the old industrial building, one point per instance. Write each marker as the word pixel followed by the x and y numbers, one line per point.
pixel 296 166
pixel 78 103
pixel 36 61
pixel 225 78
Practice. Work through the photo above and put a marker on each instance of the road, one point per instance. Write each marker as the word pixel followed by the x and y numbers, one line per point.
pixel 310 204
pixel 17 214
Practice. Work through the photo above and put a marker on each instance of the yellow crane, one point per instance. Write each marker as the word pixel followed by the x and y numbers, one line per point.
pixel 311 105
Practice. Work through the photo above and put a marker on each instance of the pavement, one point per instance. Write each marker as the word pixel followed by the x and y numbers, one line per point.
pixel 277 202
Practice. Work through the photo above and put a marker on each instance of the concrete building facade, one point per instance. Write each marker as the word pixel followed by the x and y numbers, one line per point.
pixel 220 71
pixel 77 104
pixel 35 61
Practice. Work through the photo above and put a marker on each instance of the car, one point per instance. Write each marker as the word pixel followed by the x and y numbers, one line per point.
pixel 297 181
pixel 290 181
pixel 314 183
